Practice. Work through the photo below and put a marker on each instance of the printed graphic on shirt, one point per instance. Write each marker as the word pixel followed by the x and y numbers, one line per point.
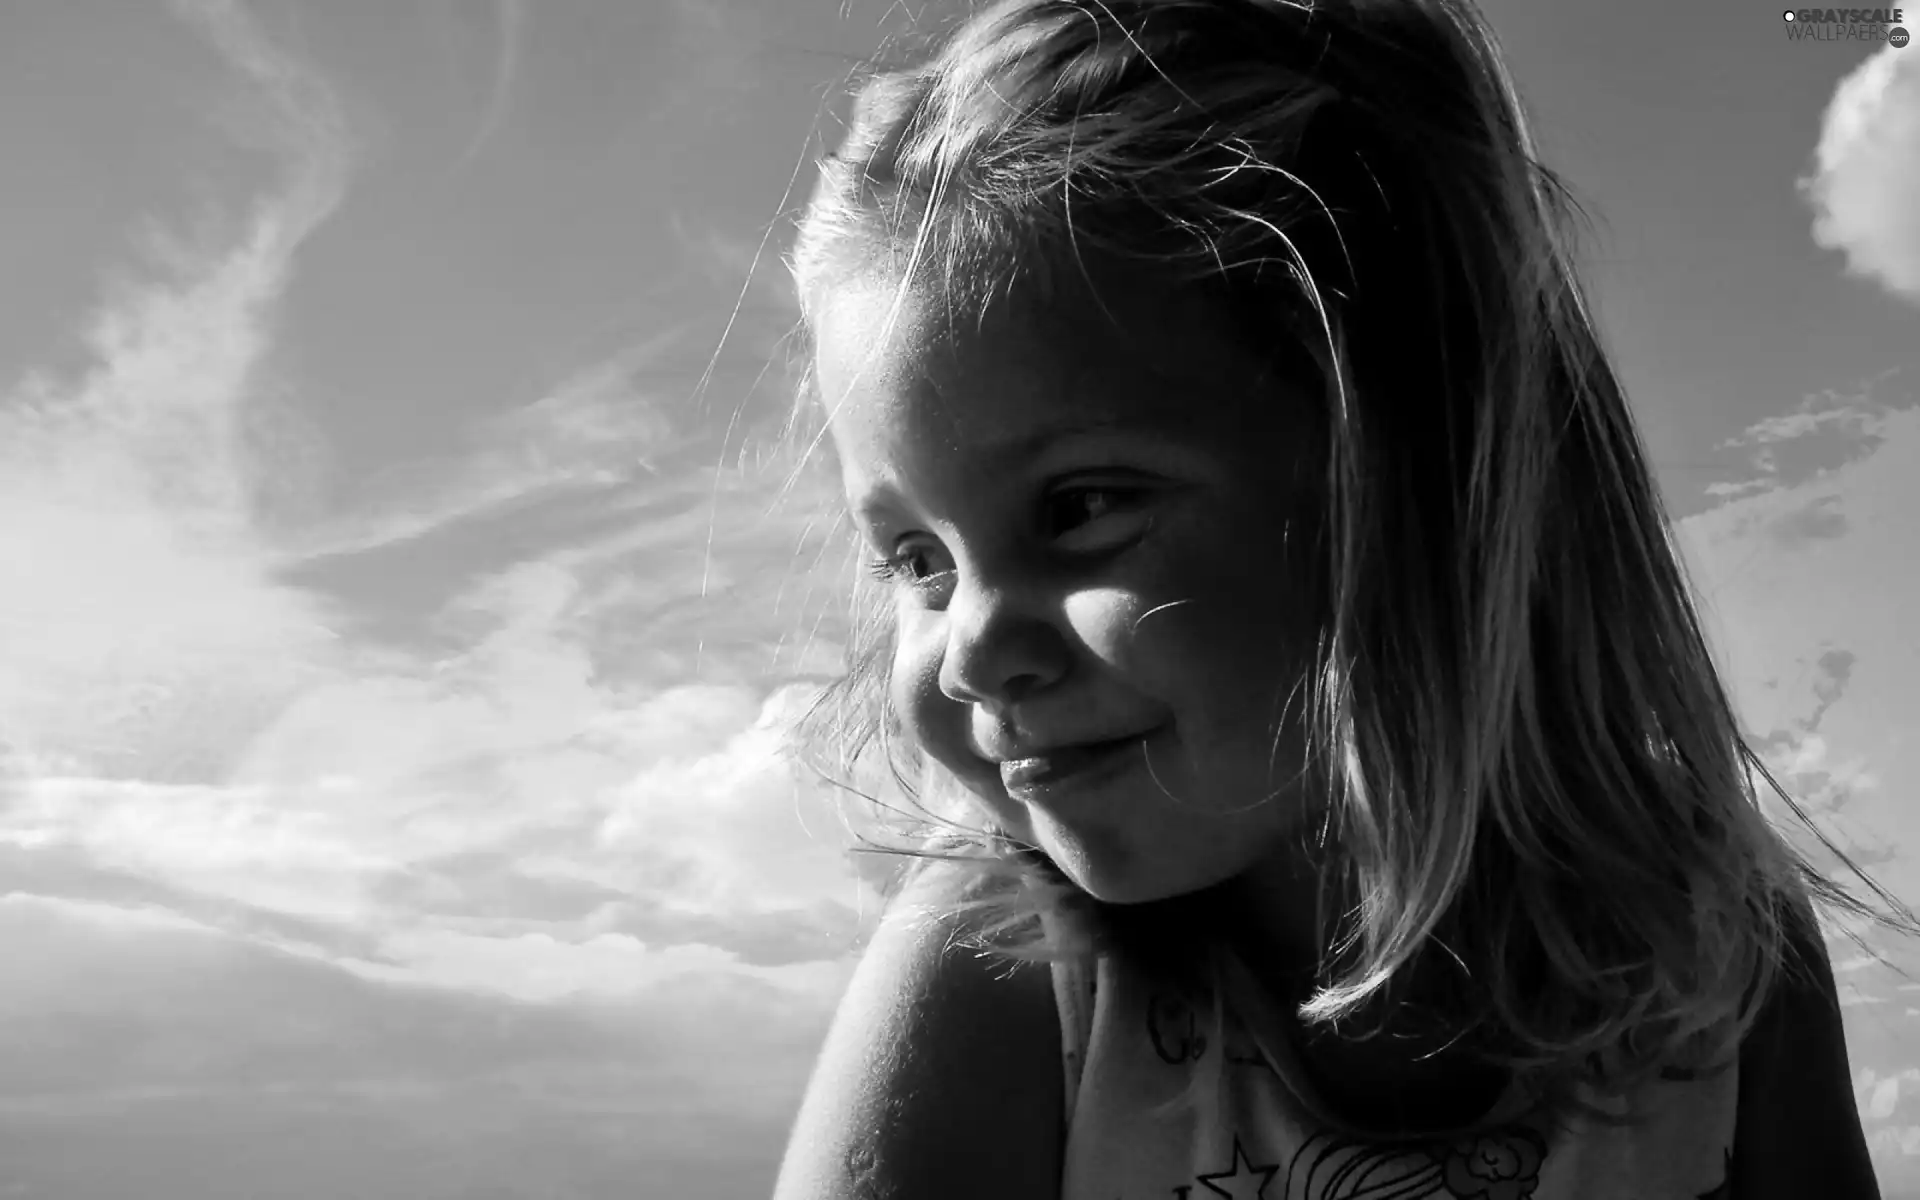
pixel 1506 1163
pixel 1242 1181
pixel 1175 1032
pixel 1502 1165
pixel 1174 1029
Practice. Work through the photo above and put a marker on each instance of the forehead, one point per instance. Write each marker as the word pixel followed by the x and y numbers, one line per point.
pixel 977 389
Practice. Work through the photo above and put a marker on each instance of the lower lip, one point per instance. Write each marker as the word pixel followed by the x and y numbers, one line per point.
pixel 1065 770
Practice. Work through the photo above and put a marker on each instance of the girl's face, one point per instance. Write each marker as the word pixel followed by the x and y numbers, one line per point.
pixel 1090 520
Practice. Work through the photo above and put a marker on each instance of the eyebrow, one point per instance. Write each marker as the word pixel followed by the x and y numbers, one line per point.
pixel 1009 451
pixel 1006 453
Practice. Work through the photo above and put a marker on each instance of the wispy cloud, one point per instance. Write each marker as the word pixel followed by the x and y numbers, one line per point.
pixel 1865 186
pixel 190 729
pixel 277 865
pixel 510 20
pixel 1824 432
pixel 600 430
pixel 131 573
pixel 1816 662
pixel 1807 578
pixel 193 1064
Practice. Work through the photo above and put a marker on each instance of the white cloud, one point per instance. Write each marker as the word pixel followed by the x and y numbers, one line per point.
pixel 1809 571
pixel 599 428
pixel 261 850
pixel 540 967
pixel 510 16
pixel 1812 623
pixel 293 890
pixel 1880 1103
pixel 380 807
pixel 132 586
pixel 1895 1142
pixel 1865 187
pixel 185 727
pixel 191 1064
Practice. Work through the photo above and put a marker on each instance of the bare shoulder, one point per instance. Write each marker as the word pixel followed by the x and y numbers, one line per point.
pixel 940 1076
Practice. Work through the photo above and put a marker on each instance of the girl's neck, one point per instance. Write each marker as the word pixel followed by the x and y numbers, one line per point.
pixel 1414 1075
pixel 1281 917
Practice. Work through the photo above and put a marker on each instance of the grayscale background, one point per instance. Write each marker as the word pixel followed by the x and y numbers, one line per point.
pixel 399 601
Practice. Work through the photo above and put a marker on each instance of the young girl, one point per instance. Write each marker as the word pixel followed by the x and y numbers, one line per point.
pixel 1271 566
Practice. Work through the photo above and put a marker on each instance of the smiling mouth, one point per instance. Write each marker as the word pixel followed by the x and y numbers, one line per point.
pixel 1045 774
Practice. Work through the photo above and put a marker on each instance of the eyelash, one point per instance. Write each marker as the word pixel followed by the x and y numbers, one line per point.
pixel 896 567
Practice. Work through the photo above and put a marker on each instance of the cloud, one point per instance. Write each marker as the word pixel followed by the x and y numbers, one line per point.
pixel 1865 187
pixel 1824 432
pixel 1813 652
pixel 188 1063
pixel 155 977
pixel 511 17
pixel 444 849
pixel 131 583
pixel 1807 579
pixel 658 825
pixel 189 724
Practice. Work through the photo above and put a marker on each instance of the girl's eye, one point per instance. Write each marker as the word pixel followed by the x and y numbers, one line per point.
pixel 898 567
pixel 1075 497
pixel 901 566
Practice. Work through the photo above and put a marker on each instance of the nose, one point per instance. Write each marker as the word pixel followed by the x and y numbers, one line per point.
pixel 1001 647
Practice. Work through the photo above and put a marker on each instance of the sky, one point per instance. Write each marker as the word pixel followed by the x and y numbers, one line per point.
pixel 402 599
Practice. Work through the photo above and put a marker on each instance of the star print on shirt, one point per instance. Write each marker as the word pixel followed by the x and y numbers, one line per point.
pixel 1249 1183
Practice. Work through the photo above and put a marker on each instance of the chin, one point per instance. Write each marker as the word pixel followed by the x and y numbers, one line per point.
pixel 1120 895
pixel 1113 881
pixel 1117 870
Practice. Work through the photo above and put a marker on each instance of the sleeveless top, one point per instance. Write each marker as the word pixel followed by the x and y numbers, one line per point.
pixel 1266 1133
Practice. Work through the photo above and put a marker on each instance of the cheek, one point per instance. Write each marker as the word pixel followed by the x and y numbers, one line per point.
pixel 1115 624
pixel 937 725
pixel 941 730
pixel 914 692
pixel 1238 685
pixel 1225 636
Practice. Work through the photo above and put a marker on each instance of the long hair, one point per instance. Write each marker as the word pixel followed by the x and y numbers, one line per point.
pixel 1540 794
